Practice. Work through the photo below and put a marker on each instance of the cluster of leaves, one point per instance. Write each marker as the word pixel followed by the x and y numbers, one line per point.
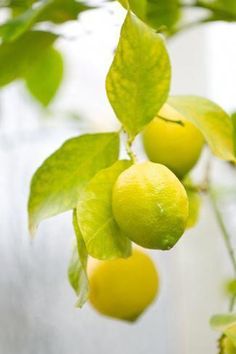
pixel 29 54
pixel 40 65
pixel 81 174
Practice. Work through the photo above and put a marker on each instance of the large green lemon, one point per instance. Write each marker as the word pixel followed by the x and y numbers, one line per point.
pixel 175 146
pixel 150 205
pixel 123 288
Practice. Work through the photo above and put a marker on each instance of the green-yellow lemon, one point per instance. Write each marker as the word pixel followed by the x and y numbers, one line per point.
pixel 150 205
pixel 173 145
pixel 123 288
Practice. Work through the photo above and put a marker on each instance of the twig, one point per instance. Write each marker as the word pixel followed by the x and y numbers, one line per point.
pixel 129 150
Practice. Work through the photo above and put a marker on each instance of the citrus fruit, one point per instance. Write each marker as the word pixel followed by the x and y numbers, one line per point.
pixel 123 288
pixel 150 205
pixel 177 147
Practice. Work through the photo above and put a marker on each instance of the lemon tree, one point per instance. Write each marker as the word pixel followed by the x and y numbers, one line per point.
pixel 118 203
pixel 123 288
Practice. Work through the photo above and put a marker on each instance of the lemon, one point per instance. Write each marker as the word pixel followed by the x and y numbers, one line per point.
pixel 123 288
pixel 177 147
pixel 150 205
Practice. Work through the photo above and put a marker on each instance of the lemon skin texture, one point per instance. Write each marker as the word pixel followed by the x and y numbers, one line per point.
pixel 123 288
pixel 150 205
pixel 177 147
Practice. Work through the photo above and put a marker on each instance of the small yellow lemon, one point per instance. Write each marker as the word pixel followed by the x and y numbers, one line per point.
pixel 175 146
pixel 123 288
pixel 150 205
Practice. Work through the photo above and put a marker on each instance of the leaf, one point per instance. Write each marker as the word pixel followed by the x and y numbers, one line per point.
pixel 17 58
pixel 59 181
pixel 60 11
pixel 103 237
pixel 156 13
pixel 211 120
pixel 231 287
pixel 77 273
pixel 45 76
pixel 228 6
pixel 12 29
pixel 56 11
pixel 194 207
pixel 226 324
pixel 233 116
pixel 139 78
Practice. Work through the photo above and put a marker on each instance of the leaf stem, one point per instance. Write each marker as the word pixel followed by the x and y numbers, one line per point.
pixel 129 150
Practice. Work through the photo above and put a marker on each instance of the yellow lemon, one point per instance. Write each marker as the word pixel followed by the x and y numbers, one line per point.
pixel 175 146
pixel 123 288
pixel 150 205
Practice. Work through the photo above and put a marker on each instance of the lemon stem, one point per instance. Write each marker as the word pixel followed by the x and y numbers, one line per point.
pixel 129 150
pixel 170 120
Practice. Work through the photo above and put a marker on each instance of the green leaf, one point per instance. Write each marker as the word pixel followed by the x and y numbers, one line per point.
pixel 57 184
pixel 56 11
pixel 139 78
pixel 211 120
pixel 231 287
pixel 12 29
pixel 226 346
pixel 17 58
pixel 226 5
pixel 233 116
pixel 45 75
pixel 226 324
pixel 155 13
pixel 194 207
pixel 60 11
pixel 77 273
pixel 102 236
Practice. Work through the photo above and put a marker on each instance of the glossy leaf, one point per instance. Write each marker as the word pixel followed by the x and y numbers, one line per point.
pixel 139 78
pixel 102 236
pixel 77 273
pixel 211 120
pixel 17 58
pixel 45 75
pixel 57 184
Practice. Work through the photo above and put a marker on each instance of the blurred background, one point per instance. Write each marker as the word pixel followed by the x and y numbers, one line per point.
pixel 37 313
